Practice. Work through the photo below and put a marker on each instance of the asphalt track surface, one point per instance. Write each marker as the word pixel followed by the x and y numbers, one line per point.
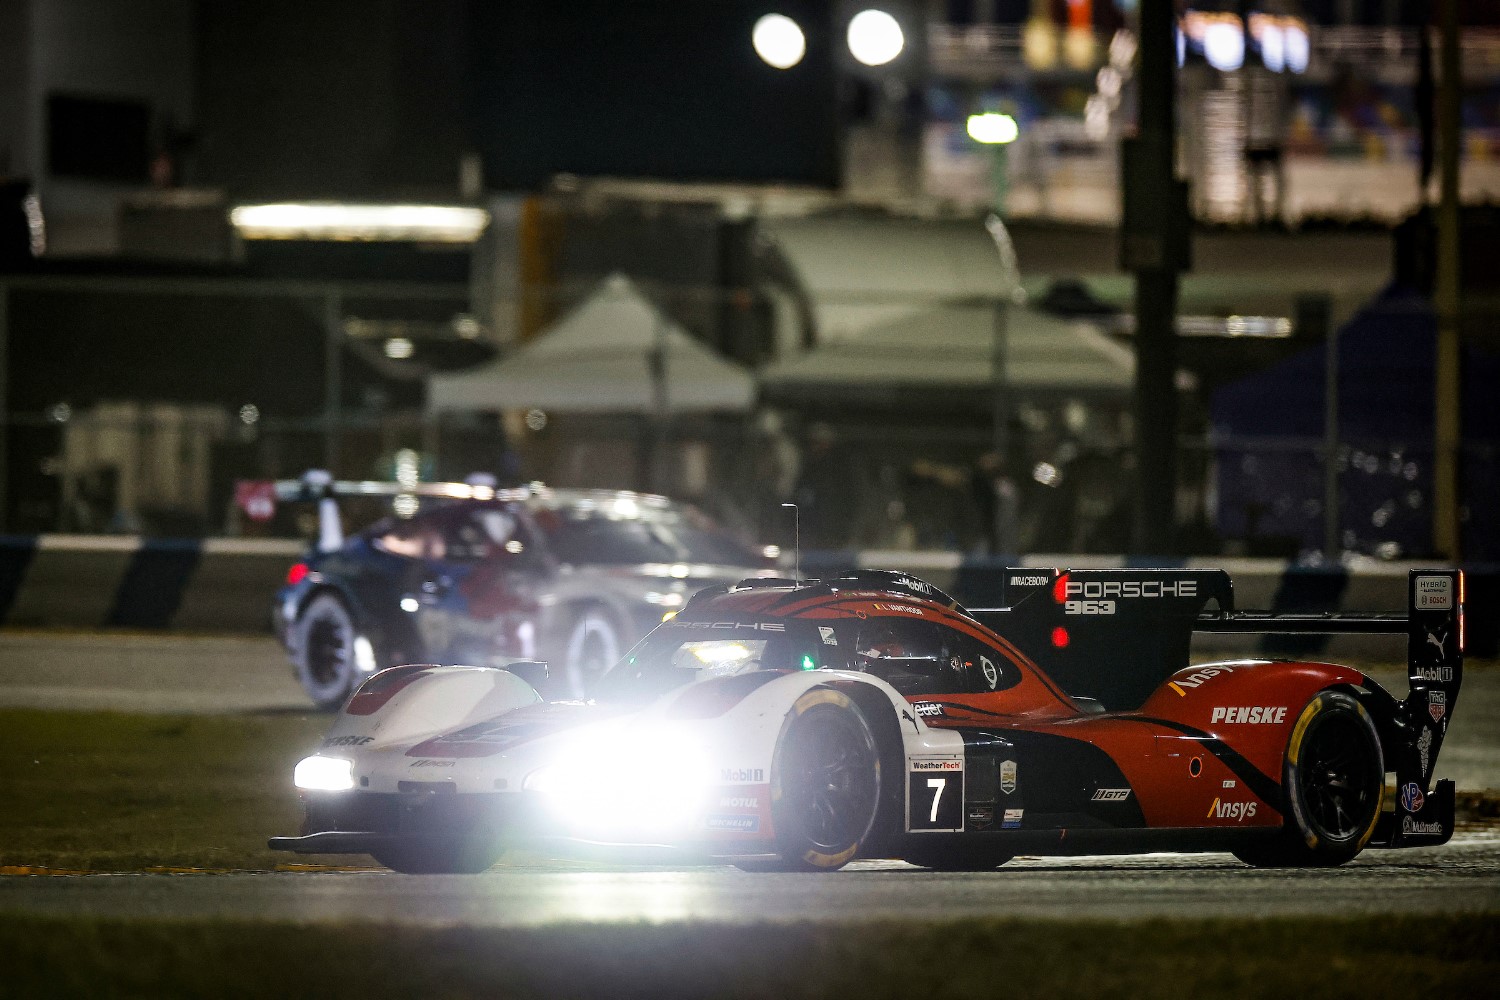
pixel 202 675
pixel 1463 876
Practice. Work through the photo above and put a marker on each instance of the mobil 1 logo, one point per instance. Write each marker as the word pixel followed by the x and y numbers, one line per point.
pixel 935 795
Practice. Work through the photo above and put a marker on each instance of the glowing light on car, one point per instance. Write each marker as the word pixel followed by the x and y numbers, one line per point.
pixel 875 38
pixel 614 781
pixel 409 605
pixel 364 655
pixel 680 571
pixel 779 41
pixel 808 663
pixel 297 574
pixel 344 221
pixel 323 774
pixel 719 652
pixel 399 348
pixel 627 507
pixel 1060 637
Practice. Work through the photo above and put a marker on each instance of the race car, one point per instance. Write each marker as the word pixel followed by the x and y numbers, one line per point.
pixel 483 576
pixel 799 725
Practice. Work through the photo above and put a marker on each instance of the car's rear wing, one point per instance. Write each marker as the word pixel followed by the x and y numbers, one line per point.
pixel 1116 635
pixel 318 486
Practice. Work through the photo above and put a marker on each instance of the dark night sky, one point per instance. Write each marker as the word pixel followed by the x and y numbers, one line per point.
pixel 650 88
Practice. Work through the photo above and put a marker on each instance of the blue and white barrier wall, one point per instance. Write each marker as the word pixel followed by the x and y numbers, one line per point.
pixel 226 584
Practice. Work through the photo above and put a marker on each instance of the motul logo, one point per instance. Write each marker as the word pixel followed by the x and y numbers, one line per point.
pixel 1252 714
pixel 1238 811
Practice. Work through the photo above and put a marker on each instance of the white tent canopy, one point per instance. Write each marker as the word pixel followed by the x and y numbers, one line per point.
pixel 600 358
pixel 908 303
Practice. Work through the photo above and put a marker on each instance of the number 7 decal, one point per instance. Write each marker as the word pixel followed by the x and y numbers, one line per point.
pixel 940 784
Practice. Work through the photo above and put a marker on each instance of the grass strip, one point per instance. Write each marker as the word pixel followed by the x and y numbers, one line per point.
pixel 104 791
pixel 1365 958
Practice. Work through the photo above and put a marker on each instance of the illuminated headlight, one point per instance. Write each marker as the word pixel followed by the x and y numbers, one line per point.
pixel 323 774
pixel 627 784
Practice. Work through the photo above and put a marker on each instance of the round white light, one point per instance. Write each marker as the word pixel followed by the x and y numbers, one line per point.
pixel 1273 49
pixel 875 38
pixel 1224 46
pixel 992 128
pixel 1298 49
pixel 779 41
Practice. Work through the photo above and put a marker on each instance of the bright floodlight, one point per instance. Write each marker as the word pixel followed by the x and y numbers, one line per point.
pixel 779 41
pixel 1296 46
pixel 1224 46
pixel 875 38
pixel 323 774
pixel 993 128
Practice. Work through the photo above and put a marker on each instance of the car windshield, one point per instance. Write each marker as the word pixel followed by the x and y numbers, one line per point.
pixel 602 534
pixel 675 655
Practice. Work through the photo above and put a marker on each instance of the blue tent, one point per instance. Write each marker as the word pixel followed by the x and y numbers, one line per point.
pixel 1268 430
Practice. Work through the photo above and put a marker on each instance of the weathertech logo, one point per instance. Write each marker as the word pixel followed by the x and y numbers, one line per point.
pixel 936 765
pixel 1238 811
pixel 1252 714
pixel 927 709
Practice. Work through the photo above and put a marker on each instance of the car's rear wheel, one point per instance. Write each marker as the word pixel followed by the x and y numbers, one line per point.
pixel 325 659
pixel 825 784
pixel 1333 782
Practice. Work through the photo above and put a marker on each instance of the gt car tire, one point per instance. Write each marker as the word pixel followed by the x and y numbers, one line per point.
pixel 325 651
pixel 590 645
pixel 958 857
pixel 825 784
pixel 465 857
pixel 1333 780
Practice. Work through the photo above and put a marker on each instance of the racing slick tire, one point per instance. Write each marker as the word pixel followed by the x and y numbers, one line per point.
pixel 325 651
pixel 1333 780
pixel 470 856
pixel 957 857
pixel 825 785
pixel 588 643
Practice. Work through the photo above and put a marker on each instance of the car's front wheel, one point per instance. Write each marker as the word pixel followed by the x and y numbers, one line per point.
pixel 1333 781
pixel 590 644
pixel 325 658
pixel 825 784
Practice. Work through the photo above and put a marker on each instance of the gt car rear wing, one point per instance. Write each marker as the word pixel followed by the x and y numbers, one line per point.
pixel 319 486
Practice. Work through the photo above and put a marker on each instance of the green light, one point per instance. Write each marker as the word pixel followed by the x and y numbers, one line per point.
pixel 807 662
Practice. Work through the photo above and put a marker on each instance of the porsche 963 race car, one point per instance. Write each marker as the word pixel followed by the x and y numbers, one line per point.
pixel 799 725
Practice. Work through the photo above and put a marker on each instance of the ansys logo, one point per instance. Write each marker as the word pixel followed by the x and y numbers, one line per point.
pixel 1239 811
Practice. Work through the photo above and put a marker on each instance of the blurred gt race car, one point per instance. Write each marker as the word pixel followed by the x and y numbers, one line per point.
pixel 484 576
pixel 791 725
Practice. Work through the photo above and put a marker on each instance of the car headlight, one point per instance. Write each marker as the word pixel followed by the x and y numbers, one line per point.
pixel 323 774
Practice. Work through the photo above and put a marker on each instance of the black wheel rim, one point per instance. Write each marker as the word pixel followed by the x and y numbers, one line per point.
pixel 830 782
pixel 327 650
pixel 593 658
pixel 1338 778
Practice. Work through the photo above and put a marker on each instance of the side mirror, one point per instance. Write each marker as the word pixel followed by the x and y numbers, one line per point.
pixel 533 672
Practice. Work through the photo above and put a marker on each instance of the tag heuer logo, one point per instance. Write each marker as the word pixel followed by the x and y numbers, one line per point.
pixel 1437 705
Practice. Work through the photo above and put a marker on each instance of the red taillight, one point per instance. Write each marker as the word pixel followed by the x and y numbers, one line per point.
pixel 1060 589
pixel 1060 637
pixel 296 574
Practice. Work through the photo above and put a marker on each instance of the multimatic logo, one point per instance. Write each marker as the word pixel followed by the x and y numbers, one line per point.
pixel 1411 826
pixel 1248 714
pixel 346 741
